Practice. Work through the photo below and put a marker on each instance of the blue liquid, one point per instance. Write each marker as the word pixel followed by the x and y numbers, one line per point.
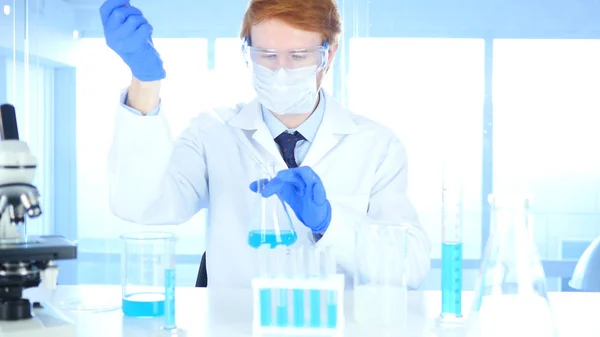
pixel 282 308
pixel 451 278
pixel 298 296
pixel 257 238
pixel 331 310
pixel 170 298
pixel 332 316
pixel 144 305
pixel 266 311
pixel 315 308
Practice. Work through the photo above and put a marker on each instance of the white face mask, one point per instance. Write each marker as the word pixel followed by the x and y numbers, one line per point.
pixel 286 91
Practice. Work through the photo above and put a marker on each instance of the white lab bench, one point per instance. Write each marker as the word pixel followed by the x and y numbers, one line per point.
pixel 228 312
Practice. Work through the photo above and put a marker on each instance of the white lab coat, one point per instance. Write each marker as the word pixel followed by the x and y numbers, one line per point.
pixel 154 180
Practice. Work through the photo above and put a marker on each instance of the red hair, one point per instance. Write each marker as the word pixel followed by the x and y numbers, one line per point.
pixel 320 16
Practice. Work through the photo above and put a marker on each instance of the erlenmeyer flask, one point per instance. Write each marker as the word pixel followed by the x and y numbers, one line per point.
pixel 511 297
pixel 271 225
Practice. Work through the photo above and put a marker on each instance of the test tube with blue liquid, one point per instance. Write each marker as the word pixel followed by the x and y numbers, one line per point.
pixel 452 254
pixel 331 296
pixel 314 270
pixel 281 269
pixel 299 294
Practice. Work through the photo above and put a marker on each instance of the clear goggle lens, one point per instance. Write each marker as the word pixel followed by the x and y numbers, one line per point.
pixel 289 59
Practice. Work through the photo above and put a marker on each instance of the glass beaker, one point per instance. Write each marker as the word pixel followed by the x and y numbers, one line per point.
pixel 380 278
pixel 147 270
pixel 511 295
pixel 271 225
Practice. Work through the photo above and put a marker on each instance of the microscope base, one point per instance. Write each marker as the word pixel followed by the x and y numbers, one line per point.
pixel 45 323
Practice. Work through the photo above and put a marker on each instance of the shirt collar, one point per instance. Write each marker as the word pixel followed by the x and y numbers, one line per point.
pixel 308 129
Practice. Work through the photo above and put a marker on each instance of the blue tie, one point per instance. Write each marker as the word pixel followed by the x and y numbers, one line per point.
pixel 287 142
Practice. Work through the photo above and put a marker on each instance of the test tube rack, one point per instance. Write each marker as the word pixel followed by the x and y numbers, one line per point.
pixel 298 306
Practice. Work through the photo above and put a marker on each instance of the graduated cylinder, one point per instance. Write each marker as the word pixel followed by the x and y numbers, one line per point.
pixel 452 254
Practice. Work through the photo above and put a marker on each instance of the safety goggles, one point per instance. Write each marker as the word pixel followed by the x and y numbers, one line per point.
pixel 289 59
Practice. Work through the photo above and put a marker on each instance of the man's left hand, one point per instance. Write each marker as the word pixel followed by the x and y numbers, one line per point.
pixel 302 189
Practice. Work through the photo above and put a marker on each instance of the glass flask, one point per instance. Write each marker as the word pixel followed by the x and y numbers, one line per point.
pixel 271 225
pixel 511 296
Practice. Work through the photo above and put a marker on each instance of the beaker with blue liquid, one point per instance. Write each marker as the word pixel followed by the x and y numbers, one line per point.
pixel 148 274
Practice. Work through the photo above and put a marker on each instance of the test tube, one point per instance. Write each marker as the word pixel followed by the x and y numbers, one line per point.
pixel 314 270
pixel 266 300
pixel 282 256
pixel 299 272
pixel 451 254
pixel 330 268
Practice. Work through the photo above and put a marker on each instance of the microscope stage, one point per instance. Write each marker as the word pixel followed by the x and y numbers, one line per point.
pixel 40 248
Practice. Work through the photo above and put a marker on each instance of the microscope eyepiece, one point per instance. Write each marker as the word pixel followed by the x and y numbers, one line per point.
pixel 8 118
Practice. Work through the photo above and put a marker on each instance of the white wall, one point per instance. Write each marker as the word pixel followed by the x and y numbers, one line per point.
pixel 51 25
pixel 433 103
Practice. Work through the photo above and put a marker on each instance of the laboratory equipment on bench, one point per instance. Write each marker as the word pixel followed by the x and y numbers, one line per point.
pixel 511 298
pixel 26 261
pixel 296 289
pixel 148 277
pixel 586 276
pixel 380 280
pixel 304 299
pixel 452 255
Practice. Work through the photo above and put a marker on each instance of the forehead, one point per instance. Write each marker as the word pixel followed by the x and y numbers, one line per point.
pixel 277 34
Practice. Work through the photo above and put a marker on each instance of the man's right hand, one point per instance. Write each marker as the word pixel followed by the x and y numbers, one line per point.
pixel 129 34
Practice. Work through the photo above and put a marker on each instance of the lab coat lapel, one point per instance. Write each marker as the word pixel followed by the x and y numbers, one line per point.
pixel 250 119
pixel 265 139
pixel 337 122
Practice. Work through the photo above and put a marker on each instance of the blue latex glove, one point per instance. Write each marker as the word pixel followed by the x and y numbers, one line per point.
pixel 303 190
pixel 129 34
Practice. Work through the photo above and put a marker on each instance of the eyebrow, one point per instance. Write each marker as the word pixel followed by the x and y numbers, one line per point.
pixel 295 50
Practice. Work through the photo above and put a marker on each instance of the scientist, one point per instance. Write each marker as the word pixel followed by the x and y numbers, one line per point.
pixel 335 169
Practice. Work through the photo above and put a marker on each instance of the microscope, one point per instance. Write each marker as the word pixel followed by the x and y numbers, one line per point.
pixel 25 261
